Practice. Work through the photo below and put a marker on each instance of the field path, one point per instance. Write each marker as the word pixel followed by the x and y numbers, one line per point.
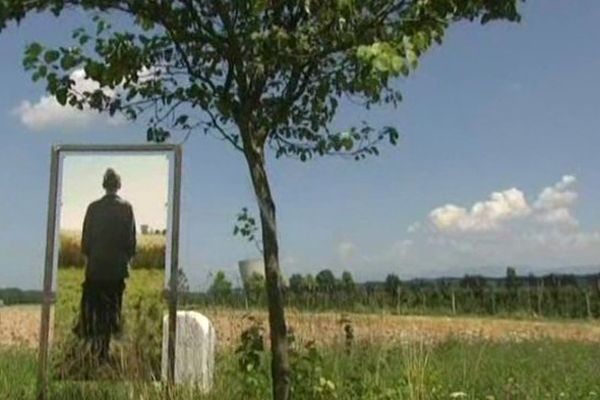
pixel 19 325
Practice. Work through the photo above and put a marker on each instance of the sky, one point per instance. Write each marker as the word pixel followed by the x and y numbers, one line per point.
pixel 144 184
pixel 497 165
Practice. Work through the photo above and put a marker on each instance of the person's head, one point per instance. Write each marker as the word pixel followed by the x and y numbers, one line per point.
pixel 112 181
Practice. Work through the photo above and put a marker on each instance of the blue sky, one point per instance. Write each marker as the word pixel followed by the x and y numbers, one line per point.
pixel 511 109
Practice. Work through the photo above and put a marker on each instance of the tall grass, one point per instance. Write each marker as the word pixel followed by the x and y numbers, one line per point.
pixel 136 355
pixel 527 370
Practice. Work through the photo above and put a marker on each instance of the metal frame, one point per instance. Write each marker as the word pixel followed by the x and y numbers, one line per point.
pixel 55 173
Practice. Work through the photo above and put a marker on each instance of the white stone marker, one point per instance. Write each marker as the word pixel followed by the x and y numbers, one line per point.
pixel 194 350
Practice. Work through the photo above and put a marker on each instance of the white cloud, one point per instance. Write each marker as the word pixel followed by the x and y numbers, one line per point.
pixel 552 207
pixel 558 195
pixel 484 215
pixel 345 251
pixel 401 248
pixel 559 216
pixel 554 203
pixel 414 227
pixel 48 113
pixel 506 229
pixel 539 231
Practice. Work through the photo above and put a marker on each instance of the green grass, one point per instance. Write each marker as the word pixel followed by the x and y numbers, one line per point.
pixel 137 354
pixel 527 370
pixel 367 371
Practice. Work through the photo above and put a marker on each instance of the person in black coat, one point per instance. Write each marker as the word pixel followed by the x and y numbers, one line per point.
pixel 108 242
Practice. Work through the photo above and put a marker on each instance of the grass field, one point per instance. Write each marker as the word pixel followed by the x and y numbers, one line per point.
pixel 135 355
pixel 452 369
pixel 387 357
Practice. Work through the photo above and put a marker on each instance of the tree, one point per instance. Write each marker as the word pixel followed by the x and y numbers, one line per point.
pixel 311 283
pixel 511 278
pixel 392 286
pixel 255 288
pixel 476 284
pixel 348 284
pixel 183 286
pixel 297 284
pixel 511 283
pixel 325 281
pixel 220 287
pixel 256 73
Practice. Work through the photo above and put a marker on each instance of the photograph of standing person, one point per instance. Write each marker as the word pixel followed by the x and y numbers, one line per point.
pixel 108 242
pixel 112 243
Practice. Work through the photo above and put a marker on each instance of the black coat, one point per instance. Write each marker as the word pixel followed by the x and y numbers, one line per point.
pixel 108 239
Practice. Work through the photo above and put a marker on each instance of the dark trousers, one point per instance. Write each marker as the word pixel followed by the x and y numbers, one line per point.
pixel 100 314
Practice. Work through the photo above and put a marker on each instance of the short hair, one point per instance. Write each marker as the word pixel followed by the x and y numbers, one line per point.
pixel 111 180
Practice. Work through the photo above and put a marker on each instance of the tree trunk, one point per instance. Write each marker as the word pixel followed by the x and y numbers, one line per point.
pixel 280 367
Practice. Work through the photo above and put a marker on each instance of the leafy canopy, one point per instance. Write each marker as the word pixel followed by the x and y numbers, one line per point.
pixel 253 72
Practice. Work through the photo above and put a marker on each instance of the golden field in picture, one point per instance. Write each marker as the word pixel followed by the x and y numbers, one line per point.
pixel 150 250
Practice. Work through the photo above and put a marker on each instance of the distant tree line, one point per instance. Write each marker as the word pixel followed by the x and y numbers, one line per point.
pixel 15 296
pixel 552 295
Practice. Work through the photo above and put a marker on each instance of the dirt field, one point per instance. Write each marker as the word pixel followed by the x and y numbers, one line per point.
pixel 326 328
pixel 20 325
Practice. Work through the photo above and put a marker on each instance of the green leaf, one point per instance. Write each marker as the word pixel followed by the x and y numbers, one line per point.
pixel 381 64
pixel 50 56
pixel 404 69
pixel 83 39
pixel 348 143
pixel 146 24
pixel 100 26
pixel 397 63
pixel 421 40
pixel 34 50
pixel 61 96
pixel 68 62
pixel 412 58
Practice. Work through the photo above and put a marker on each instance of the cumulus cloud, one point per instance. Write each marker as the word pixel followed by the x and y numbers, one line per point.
pixel 48 113
pixel 505 229
pixel 554 203
pixel 511 227
pixel 552 206
pixel 484 215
